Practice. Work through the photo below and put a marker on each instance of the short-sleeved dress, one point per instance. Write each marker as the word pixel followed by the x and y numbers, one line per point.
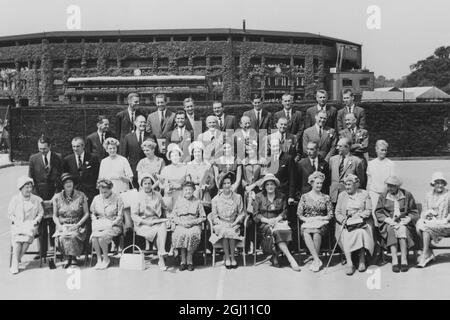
pixel 112 169
pixel 69 212
pixel 110 209
pixel 22 212
pixel 439 206
pixel 225 210
pixel 310 207
pixel 188 211
pixel 149 206
pixel 150 166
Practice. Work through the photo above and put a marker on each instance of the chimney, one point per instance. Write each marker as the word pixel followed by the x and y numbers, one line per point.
pixel 243 25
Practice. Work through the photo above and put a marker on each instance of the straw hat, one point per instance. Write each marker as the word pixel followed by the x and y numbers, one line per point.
pixel 23 180
pixel 270 177
pixel 438 176
pixel 394 180
pixel 173 147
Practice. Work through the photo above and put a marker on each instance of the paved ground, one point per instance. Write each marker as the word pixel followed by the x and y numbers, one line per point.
pixel 253 282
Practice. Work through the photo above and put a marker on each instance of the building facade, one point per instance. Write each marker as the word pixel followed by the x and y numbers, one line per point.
pixel 206 64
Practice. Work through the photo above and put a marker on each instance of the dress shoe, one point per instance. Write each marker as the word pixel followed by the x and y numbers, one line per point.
pixel 404 268
pixel 362 267
pixel 275 262
pixel 183 266
pixel 396 268
pixel 350 270
pixel 190 267
pixel 234 265
pixel 68 264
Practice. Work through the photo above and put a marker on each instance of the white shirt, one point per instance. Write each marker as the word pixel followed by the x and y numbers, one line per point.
pixel 102 136
pixel 350 109
pixel 163 114
pixel 320 108
pixel 318 129
pixel 314 162
pixel 191 119
pixel 377 172
pixel 139 133
pixel 180 131
pixel 48 158
pixel 131 115
pixel 288 113
pixel 256 113
pixel 82 159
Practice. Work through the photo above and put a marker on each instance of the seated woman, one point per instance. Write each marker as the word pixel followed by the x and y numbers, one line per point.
pixel 354 207
pixel 148 215
pixel 226 216
pixel 25 212
pixel 397 213
pixel 70 211
pixel 151 164
pixel 315 211
pixel 434 222
pixel 269 213
pixel 188 216
pixel 107 220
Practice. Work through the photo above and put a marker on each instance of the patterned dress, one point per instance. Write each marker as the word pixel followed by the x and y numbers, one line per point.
pixel 22 213
pixel 150 166
pixel 191 212
pixel 111 210
pixel 225 210
pixel 69 211
pixel 311 207
pixel 150 206
pixel 438 206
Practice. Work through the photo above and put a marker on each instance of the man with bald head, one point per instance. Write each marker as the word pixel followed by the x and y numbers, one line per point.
pixel 341 165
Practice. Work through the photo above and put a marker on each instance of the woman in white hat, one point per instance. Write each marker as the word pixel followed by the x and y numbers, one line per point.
pixel 270 215
pixel 397 213
pixel 434 222
pixel 25 212
pixel 201 173
pixel 149 217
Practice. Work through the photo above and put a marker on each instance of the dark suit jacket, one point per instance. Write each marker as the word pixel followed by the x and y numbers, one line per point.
pixel 229 123
pixel 124 124
pixel 285 171
pixel 305 169
pixel 311 113
pixel 295 125
pixel 45 183
pixel 154 125
pixel 327 144
pixel 94 147
pixel 190 126
pixel 240 142
pixel 132 150
pixel 354 166
pixel 359 113
pixel 359 141
pixel 86 179
pixel 266 121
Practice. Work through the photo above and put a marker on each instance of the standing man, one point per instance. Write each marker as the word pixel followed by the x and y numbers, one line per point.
pixel 325 137
pixel 160 122
pixel 244 137
pixel 321 98
pixel 341 165
pixel 181 135
pixel 286 140
pixel 5 143
pixel 295 121
pixel 350 107
pixel 260 119
pixel 84 167
pixel 224 121
pixel 45 169
pixel 131 148
pixel 358 137
pixel 125 118
pixel 213 139
pixel 193 123
pixel 94 141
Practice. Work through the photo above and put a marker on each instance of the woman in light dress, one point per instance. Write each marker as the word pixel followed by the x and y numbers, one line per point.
pixel 25 212
pixel 151 164
pixel 107 221
pixel 228 163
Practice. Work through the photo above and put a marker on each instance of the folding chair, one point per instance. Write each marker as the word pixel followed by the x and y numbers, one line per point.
pixel 240 244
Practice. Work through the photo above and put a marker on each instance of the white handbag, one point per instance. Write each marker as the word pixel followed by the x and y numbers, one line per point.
pixel 132 261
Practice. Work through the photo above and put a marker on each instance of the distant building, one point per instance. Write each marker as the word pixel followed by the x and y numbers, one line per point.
pixel 230 64
pixel 412 94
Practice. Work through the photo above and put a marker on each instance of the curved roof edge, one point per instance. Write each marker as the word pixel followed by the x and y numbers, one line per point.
pixel 168 32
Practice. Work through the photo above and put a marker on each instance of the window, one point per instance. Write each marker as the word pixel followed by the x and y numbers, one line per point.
pixel 91 63
pixel 198 38
pixel 299 62
pixel 273 62
pixel 254 39
pixel 163 62
pixel 111 63
pixel 58 64
pixel 218 38
pixel 199 61
pixel 182 62
pixel 255 61
pixel 363 82
pixel 216 61
pixel 74 64
pixel 136 63
pixel 347 82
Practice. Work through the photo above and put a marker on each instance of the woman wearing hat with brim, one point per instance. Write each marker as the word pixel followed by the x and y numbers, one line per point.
pixel 397 214
pixel 70 212
pixel 434 222
pixel 25 212
pixel 270 215
pixel 149 217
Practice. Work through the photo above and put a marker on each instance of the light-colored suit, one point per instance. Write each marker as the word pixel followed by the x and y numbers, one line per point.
pixel 183 142
pixel 154 124
pixel 354 166
pixel 213 144
pixel 326 143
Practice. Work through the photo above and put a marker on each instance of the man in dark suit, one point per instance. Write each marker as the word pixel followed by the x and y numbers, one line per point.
pixel 224 121
pixel 350 107
pixel 181 135
pixel 94 141
pixel 131 146
pixel 84 167
pixel 160 122
pixel 325 137
pixel 321 98
pixel 306 166
pixel 295 124
pixel 125 118
pixel 45 168
pixel 260 119
pixel 194 123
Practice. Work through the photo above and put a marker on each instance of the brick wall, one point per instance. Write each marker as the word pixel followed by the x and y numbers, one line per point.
pixel 412 129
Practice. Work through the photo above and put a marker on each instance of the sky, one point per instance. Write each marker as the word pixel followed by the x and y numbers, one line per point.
pixel 408 30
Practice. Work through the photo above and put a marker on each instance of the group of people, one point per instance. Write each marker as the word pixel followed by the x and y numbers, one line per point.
pixel 262 177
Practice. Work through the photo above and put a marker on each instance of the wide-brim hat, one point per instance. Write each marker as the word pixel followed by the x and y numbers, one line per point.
pixel 145 176
pixel 67 176
pixel 438 176
pixel 189 183
pixel 23 180
pixel 173 147
pixel 270 177
pixel 229 175
pixel 393 180
pixel 195 145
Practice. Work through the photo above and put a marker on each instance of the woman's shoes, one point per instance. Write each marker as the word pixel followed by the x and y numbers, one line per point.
pixel 162 264
pixel 228 264
pixel 234 264
pixel 14 270
pixel 98 265
pixel 396 268
pixel 183 266
pixel 295 267
pixel 350 270
pixel 362 267
pixel 423 262
pixel 105 264
pixel 404 268
pixel 190 267
pixel 275 262
pixel 315 266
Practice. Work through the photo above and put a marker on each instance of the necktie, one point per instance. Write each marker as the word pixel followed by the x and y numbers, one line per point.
pixel 80 163
pixel 341 165
pixel 258 119
pixel 46 163
pixel 220 124
pixel 320 133
pixel 162 119
pixel 103 137
pixel 141 138
pixel 282 139
pixel 288 116
pixel 313 164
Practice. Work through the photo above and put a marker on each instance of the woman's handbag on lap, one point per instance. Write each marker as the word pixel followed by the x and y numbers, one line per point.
pixel 101 224
pixel 132 261
pixel 355 223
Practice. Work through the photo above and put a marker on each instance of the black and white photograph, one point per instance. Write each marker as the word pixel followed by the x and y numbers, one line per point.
pixel 240 150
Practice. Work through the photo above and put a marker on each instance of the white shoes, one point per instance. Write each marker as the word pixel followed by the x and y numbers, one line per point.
pixel 14 270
